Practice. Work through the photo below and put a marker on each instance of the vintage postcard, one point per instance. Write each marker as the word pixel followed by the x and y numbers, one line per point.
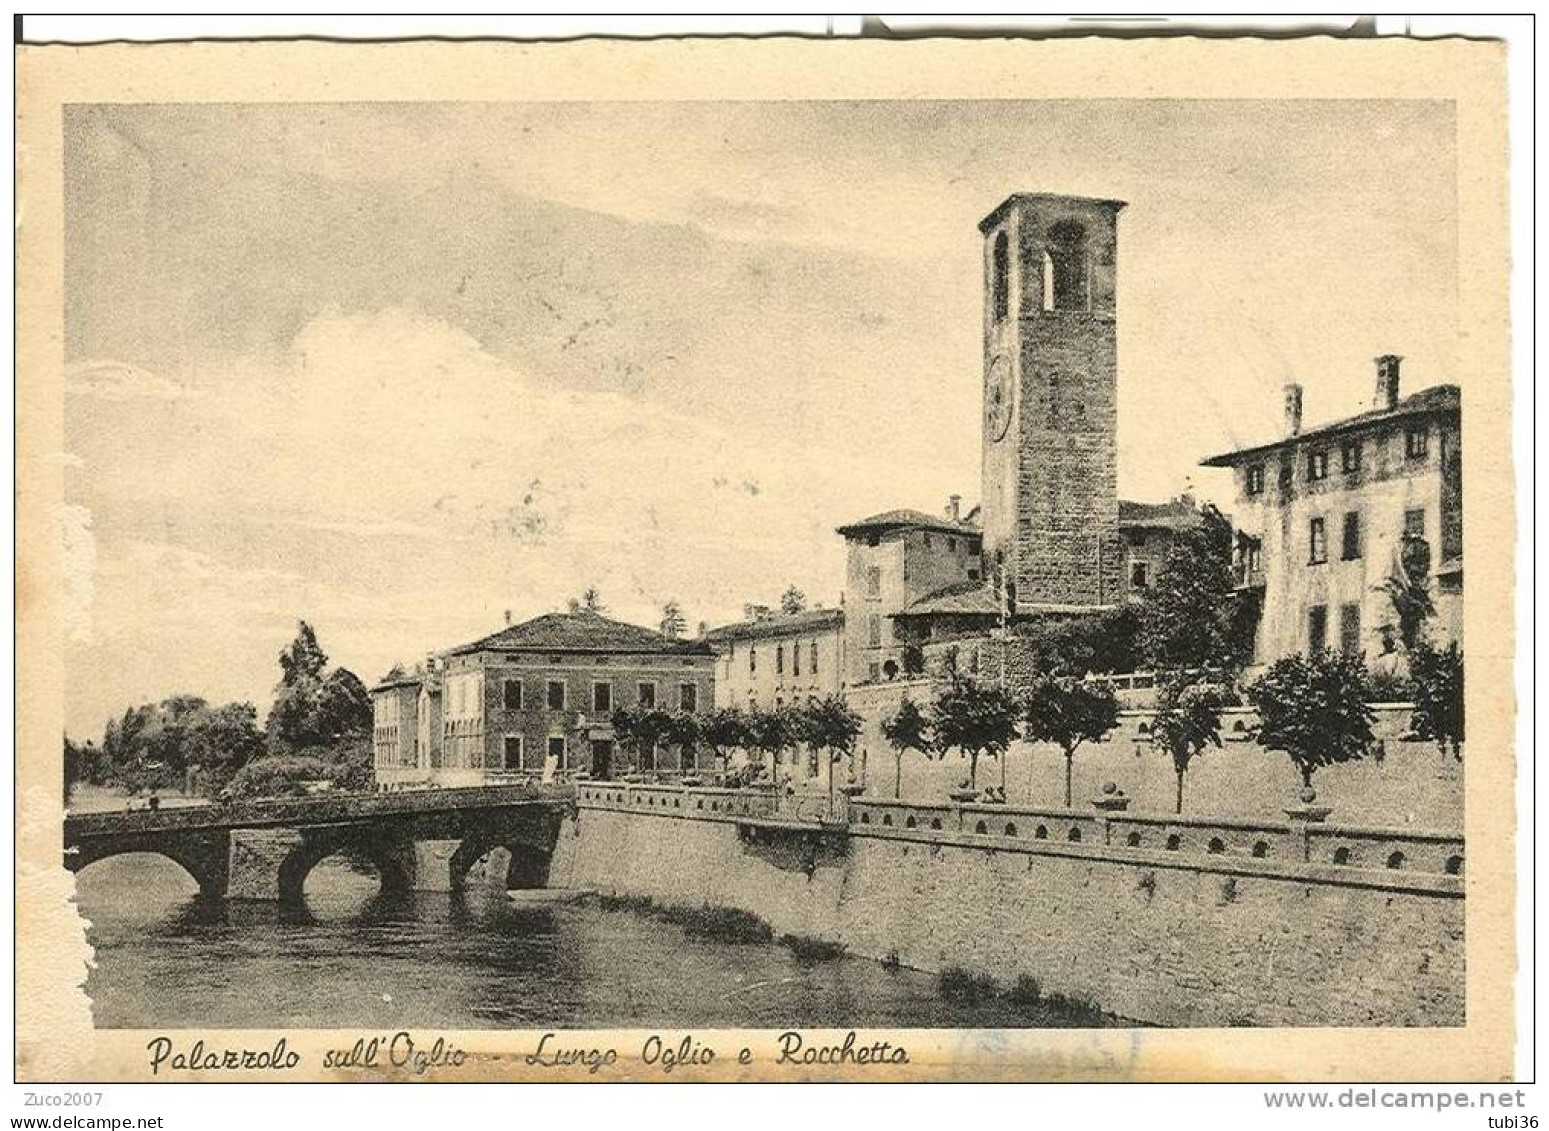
pixel 781 560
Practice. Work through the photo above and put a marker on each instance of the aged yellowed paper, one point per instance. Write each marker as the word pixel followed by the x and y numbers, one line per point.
pixel 787 560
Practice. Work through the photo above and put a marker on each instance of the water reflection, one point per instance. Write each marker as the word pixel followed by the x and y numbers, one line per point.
pixel 351 955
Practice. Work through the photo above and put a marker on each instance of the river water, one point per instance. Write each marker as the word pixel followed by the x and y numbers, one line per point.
pixel 355 959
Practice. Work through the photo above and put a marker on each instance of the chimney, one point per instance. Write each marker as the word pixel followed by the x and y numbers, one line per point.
pixel 1387 381
pixel 508 617
pixel 704 627
pixel 954 505
pixel 1293 409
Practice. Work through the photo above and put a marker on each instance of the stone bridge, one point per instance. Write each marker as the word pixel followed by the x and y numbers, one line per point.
pixel 212 841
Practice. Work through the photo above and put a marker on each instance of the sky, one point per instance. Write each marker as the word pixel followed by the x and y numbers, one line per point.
pixel 396 369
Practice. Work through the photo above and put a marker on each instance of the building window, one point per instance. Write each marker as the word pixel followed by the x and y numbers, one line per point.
pixel 511 695
pixel 1416 442
pixel 973 575
pixel 1137 575
pixel 513 752
pixel 873 581
pixel 1350 537
pixel 1414 523
pixel 1253 481
pixel 796 657
pixel 1350 629
pixel 1000 276
pixel 927 542
pixel 688 697
pixel 1317 466
pixel 1317 628
pixel 874 671
pixel 752 660
pixel 1317 549
pixel 556 695
pixel 813 667
pixel 602 696
pixel 1350 458
pixel 952 544
pixel 874 630
pixel 557 751
pixel 779 659
pixel 646 696
pixel 873 540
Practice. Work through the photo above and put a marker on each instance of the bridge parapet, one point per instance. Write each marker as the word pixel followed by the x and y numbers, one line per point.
pixel 324 808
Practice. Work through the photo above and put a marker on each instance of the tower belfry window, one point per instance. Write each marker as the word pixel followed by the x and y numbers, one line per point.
pixel 1000 284
pixel 1065 268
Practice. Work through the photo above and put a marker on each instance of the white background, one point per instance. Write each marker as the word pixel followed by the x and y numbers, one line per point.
pixel 1070 1106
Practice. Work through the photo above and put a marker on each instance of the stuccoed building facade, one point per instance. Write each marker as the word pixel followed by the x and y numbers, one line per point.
pixel 535 700
pixel 1327 517
pixel 775 659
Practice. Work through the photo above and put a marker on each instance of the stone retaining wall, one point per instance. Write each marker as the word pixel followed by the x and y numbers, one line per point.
pixel 1172 934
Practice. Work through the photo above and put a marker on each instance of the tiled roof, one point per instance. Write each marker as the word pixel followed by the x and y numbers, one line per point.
pixel 1172 513
pixel 1436 399
pixel 966 598
pixel 908 520
pixel 778 624
pixel 397 678
pixel 582 632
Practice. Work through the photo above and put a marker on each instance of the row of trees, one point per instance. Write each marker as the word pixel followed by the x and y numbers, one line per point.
pixel 1314 709
pixel 318 729
pixel 825 727
pixel 982 721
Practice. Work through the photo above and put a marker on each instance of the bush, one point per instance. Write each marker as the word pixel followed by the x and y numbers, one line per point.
pixel 1027 991
pixel 279 775
pixel 1390 687
pixel 723 924
pixel 957 984
pixel 809 950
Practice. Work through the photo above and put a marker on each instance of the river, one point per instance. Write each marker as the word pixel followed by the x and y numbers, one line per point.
pixel 352 958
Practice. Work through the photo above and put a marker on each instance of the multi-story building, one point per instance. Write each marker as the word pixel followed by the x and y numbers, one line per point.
pixel 537 698
pixel 777 659
pixel 896 559
pixel 395 732
pixel 1327 517
pixel 1149 532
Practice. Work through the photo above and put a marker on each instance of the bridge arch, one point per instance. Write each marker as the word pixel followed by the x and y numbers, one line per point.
pixel 392 859
pixel 529 866
pixel 205 858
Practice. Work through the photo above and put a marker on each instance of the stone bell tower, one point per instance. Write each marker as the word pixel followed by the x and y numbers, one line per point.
pixel 1051 508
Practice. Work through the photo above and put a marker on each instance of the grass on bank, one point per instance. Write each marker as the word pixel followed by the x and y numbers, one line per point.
pixel 960 985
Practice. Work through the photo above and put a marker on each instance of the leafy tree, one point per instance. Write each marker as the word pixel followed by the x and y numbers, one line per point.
pixel 1187 720
pixel 974 719
pixel 793 600
pixel 914 660
pixel 1067 712
pixel 590 601
pixel 1188 618
pixel 83 762
pixel 1314 709
pixel 1438 692
pixel 641 732
pixel 682 731
pixel 1409 593
pixel 673 623
pixel 1079 645
pixel 159 745
pixel 280 775
pixel 303 658
pixel 771 733
pixel 907 729
pixel 724 730
pixel 829 725
pixel 311 708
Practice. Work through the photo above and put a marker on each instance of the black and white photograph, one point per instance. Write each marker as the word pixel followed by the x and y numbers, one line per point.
pixel 827 565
